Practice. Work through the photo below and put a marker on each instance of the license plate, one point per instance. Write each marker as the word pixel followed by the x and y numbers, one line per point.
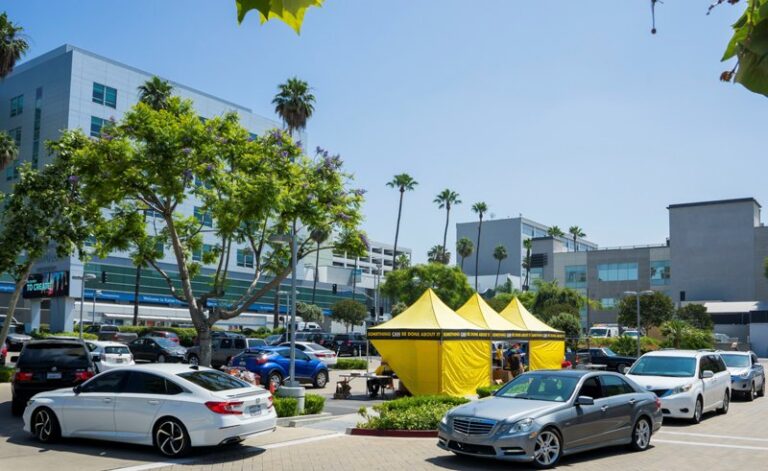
pixel 118 360
pixel 254 410
pixel 53 376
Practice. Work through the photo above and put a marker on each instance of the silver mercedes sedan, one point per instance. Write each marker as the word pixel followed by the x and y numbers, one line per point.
pixel 541 416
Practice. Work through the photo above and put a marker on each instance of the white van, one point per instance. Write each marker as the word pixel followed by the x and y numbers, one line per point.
pixel 604 331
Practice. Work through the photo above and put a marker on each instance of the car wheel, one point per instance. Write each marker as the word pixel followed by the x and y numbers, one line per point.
pixel 45 426
pixel 547 450
pixel 161 358
pixel 620 368
pixel 697 411
pixel 321 379
pixel 275 378
pixel 194 361
pixel 641 435
pixel 751 393
pixel 171 438
pixel 727 403
pixel 17 408
pixel 761 392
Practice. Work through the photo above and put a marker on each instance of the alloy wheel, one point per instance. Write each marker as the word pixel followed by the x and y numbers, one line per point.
pixel 170 438
pixel 642 434
pixel 697 411
pixel 726 403
pixel 194 361
pixel 43 425
pixel 547 448
pixel 161 358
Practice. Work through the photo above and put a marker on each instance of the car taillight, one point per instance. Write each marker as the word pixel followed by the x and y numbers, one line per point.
pixel 261 360
pixel 658 403
pixel 83 375
pixel 23 376
pixel 349 342
pixel 175 339
pixel 225 408
pixel 270 402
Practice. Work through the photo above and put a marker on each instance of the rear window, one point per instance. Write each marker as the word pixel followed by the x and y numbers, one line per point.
pixel 117 350
pixel 214 380
pixel 60 355
pixel 314 346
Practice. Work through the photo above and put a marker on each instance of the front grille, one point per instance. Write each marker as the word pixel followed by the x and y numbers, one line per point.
pixel 660 392
pixel 473 426
pixel 472 448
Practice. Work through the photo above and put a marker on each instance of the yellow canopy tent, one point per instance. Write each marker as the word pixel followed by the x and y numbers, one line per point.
pixel 546 348
pixel 477 311
pixel 433 350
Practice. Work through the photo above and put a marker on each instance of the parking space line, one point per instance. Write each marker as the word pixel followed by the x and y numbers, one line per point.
pixel 709 445
pixel 707 435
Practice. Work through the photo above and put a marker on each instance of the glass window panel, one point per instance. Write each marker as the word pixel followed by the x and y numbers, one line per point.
pixel 110 97
pixel 98 93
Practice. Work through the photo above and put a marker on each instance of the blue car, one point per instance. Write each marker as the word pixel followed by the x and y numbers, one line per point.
pixel 273 363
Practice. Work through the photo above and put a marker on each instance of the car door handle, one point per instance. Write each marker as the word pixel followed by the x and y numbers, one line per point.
pixel 153 402
pixel 604 408
pixel 107 399
pixel 632 402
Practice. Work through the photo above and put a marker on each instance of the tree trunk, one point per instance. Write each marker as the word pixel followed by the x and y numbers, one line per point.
pixel 462 263
pixel 204 340
pixel 136 296
pixel 445 231
pixel 354 280
pixel 317 269
pixel 498 269
pixel 397 229
pixel 574 243
pixel 477 250
pixel 13 302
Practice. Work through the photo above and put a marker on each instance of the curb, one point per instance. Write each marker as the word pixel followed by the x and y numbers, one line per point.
pixel 393 433
pixel 301 420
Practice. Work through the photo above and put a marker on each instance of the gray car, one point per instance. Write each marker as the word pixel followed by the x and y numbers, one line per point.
pixel 747 374
pixel 543 415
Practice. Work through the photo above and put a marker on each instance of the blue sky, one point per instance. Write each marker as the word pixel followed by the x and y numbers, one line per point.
pixel 567 112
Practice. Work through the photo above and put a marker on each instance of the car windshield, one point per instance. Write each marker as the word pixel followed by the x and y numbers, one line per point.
pixel 609 352
pixel 165 343
pixel 540 387
pixel 736 361
pixel 117 350
pixel 676 367
pixel 46 355
pixel 598 332
pixel 214 380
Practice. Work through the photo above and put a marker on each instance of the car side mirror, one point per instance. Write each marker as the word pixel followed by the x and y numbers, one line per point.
pixel 626 370
pixel 707 374
pixel 97 358
pixel 585 401
pixel 77 389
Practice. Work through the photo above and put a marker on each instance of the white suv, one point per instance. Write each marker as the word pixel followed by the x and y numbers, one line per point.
pixel 688 382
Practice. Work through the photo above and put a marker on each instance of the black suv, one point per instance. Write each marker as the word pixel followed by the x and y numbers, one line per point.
pixel 353 344
pixel 45 365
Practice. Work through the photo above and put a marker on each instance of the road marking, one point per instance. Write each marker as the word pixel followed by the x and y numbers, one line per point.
pixel 163 464
pixel 706 435
pixel 709 445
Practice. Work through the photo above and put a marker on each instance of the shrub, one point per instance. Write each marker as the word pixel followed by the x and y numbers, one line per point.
pixel 351 364
pixel 289 406
pixel 485 391
pixel 6 374
pixel 38 335
pixel 313 404
pixel 410 413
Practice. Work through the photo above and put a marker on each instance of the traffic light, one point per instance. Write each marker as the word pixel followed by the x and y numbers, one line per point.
pixel 334 289
pixel 103 276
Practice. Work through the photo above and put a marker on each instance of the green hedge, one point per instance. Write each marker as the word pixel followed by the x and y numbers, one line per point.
pixel 350 364
pixel 44 335
pixel 626 346
pixel 485 391
pixel 6 374
pixel 410 413
pixel 288 406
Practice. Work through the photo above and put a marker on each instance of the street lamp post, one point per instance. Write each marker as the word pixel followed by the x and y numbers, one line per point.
pixel 637 295
pixel 83 278
pixel 96 292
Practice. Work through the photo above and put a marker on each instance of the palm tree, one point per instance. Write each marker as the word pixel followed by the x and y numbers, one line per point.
pixel 480 209
pixel 576 232
pixel 464 248
pixel 8 149
pixel 403 182
pixel 528 244
pixel 13 45
pixel 499 253
pixel 438 254
pixel 155 92
pixel 555 231
pixel 294 103
pixel 446 199
pixel 403 261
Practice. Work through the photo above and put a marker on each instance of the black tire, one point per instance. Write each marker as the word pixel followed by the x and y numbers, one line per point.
pixel 761 392
pixel 620 368
pixel 17 408
pixel 193 360
pixel 726 403
pixel 161 358
pixel 321 379
pixel 698 411
pixel 548 449
pixel 170 437
pixel 45 426
pixel 750 395
pixel 275 377
pixel 641 435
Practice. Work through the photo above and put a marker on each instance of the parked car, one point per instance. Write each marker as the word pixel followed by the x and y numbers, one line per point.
pixel 747 374
pixel 173 407
pixel 45 365
pixel 604 331
pixel 157 349
pixel 165 335
pixel 273 339
pixel 323 354
pixel 631 333
pixel 606 356
pixel 103 331
pixel 272 365
pixel 16 341
pixel 108 355
pixel 224 346
pixel 256 343
pixel 689 383
pixel 540 416
pixel 350 344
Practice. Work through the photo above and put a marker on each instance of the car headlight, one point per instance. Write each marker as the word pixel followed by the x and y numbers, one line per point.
pixel 517 427
pixel 444 420
pixel 745 375
pixel 682 389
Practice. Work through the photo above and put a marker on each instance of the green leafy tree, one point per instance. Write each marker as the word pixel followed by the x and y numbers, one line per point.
pixel 576 232
pixel 528 244
pixel 349 312
pixel 765 263
pixel 501 300
pixel 479 208
pixel 655 309
pixel 398 309
pixel 438 254
pixel 446 199
pixel 13 45
pixel 403 261
pixel 464 248
pixel 8 149
pixel 156 93
pixel 697 316
pixel 291 12
pixel 407 285
pixel 309 312
pixel 555 231
pixel 552 299
pixel 45 212
pixel 294 103
pixel 250 191
pixel 403 182
pixel 568 323
pixel 319 236
pixel 500 254
pixel 681 334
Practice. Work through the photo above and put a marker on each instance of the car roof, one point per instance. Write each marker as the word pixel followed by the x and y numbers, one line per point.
pixel 106 343
pixel 568 373
pixel 56 341
pixel 735 352
pixel 680 353
pixel 167 368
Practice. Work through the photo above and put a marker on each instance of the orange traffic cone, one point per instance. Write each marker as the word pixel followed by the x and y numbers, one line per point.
pixel 272 387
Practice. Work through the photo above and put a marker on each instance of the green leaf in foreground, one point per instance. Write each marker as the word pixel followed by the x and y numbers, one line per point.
pixel 291 12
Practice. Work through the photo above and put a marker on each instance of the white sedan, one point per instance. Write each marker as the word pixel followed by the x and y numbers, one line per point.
pixel 323 354
pixel 108 355
pixel 170 406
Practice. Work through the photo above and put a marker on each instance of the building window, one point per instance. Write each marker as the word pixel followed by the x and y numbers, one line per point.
pixel 96 125
pixel 203 217
pixel 12 169
pixel 197 255
pixel 104 95
pixel 528 230
pixel 607 303
pixel 245 258
pixel 36 129
pixel 617 272
pixel 576 276
pixel 17 105
pixel 660 272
